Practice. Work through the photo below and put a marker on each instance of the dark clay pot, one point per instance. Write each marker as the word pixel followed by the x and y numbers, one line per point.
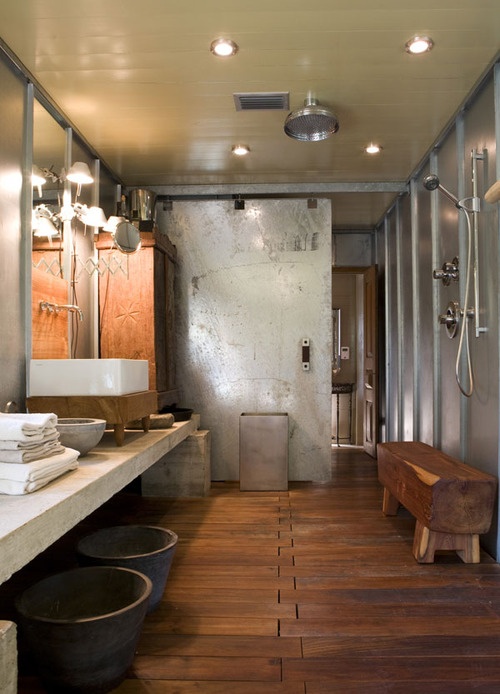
pixel 144 548
pixel 82 626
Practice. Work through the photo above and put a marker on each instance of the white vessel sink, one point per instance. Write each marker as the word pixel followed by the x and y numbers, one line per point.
pixel 88 376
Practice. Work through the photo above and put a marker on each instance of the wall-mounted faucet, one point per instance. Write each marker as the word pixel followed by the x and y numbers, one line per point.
pixel 448 272
pixel 57 308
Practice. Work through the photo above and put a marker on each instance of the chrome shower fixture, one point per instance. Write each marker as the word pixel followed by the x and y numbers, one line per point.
pixel 456 319
pixel 311 123
pixel 448 272
pixel 431 182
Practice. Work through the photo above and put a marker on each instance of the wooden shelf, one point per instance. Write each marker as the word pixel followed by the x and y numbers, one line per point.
pixel 117 410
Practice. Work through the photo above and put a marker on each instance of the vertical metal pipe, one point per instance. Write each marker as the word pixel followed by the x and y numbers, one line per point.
pixel 400 324
pixel 475 157
pixel 460 150
pixel 497 231
pixel 416 307
pixel 26 221
pixel 388 329
pixel 436 304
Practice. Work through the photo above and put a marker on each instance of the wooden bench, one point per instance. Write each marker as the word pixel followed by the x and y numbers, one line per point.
pixel 451 501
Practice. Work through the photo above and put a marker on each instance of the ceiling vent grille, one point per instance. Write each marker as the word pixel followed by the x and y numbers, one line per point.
pixel 261 101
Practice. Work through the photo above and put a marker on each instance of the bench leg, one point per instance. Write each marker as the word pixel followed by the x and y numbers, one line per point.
pixel 426 542
pixel 390 504
pixel 470 552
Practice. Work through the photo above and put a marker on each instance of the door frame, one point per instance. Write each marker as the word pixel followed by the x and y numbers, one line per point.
pixel 370 320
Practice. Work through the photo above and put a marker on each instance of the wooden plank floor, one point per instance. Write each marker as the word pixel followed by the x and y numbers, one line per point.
pixel 310 591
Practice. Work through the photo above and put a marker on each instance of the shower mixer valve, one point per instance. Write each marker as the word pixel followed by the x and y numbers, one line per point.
pixel 451 318
pixel 449 271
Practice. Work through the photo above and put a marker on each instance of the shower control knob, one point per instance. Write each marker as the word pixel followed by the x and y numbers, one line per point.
pixel 451 318
pixel 448 272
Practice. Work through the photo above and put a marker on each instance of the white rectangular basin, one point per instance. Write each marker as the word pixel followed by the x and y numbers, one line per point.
pixel 87 376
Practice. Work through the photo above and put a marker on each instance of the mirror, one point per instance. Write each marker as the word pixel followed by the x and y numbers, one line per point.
pixel 49 332
pixel 49 148
pixel 65 263
pixel 127 237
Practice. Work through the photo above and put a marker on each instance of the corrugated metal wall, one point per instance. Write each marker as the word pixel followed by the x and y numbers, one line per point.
pixel 421 398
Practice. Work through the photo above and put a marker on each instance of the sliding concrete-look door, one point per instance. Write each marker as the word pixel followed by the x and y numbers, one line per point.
pixel 251 285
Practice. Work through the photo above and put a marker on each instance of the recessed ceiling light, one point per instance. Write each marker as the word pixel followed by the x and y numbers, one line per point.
pixel 419 44
pixel 224 48
pixel 373 148
pixel 240 150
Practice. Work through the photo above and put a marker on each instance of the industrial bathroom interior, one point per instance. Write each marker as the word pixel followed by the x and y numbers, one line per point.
pixel 357 291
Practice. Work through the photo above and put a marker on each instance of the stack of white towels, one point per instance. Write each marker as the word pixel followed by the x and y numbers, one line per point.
pixel 31 455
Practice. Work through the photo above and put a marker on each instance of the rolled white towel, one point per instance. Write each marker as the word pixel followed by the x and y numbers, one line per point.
pixel 25 427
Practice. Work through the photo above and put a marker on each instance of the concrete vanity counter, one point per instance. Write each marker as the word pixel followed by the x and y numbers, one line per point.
pixel 32 522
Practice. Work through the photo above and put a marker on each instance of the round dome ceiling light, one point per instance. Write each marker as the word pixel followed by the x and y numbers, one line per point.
pixel 224 48
pixel 419 44
pixel 372 148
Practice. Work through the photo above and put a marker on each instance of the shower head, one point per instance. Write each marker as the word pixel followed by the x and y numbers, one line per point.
pixel 431 182
pixel 312 122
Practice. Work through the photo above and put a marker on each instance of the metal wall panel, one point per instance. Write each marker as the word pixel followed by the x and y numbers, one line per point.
pixel 12 247
pixel 406 327
pixel 425 316
pixel 483 434
pixel 392 355
pixel 464 427
pixel 450 244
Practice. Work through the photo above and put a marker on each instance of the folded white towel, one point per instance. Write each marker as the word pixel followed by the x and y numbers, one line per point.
pixel 26 455
pixel 38 475
pixel 17 488
pixel 25 427
pixel 39 469
pixel 50 434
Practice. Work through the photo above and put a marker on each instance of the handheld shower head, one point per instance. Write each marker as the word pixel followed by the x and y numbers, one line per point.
pixel 431 182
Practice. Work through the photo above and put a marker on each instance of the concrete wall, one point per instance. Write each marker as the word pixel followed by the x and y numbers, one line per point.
pixel 251 284
pixel 353 248
pixel 422 400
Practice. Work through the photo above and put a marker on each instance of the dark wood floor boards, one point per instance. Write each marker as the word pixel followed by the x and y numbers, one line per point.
pixel 310 591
